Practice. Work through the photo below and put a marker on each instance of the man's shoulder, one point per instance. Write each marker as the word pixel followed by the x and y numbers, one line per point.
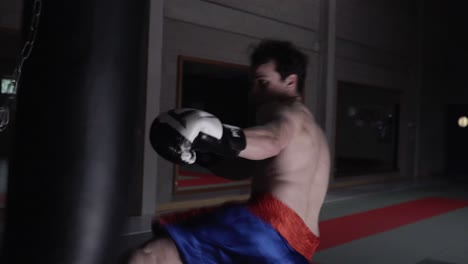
pixel 296 109
pixel 286 109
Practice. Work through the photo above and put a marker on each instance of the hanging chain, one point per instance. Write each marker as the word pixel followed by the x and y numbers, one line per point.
pixel 4 117
pixel 28 45
pixel 27 48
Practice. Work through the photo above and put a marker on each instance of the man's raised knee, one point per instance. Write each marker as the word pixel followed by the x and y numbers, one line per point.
pixel 157 252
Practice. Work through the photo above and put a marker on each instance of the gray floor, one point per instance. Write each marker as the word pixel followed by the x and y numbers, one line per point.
pixel 440 239
pixel 437 240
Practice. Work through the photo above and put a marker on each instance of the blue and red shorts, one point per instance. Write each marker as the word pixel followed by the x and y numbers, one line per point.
pixel 262 230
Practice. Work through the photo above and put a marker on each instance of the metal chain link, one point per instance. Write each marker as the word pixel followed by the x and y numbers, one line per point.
pixel 4 117
pixel 29 43
pixel 5 110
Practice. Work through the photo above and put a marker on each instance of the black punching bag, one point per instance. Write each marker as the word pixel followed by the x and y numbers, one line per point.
pixel 75 131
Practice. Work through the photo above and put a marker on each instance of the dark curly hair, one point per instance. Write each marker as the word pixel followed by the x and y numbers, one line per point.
pixel 287 58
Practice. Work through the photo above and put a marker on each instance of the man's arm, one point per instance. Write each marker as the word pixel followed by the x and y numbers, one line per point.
pixel 263 142
pixel 233 169
pixel 179 134
pixel 268 140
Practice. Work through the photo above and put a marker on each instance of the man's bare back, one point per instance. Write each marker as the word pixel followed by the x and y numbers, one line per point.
pixel 299 174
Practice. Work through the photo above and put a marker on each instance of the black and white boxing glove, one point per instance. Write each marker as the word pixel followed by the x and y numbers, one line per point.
pixel 179 134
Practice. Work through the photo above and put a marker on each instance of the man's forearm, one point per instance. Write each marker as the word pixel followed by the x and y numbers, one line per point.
pixel 233 169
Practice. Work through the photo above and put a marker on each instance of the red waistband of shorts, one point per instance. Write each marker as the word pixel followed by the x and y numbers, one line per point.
pixel 287 222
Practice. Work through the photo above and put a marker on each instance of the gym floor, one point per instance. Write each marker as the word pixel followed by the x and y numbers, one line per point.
pixel 425 233
pixel 402 222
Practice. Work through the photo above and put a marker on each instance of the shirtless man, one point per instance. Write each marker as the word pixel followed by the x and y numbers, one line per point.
pixel 286 154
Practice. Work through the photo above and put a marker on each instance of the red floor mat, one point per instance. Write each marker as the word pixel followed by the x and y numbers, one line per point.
pixel 338 231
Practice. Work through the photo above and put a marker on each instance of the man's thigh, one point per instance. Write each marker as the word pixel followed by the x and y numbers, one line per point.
pixel 160 250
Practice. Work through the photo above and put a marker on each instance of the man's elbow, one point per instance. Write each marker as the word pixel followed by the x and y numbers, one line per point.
pixel 264 147
pixel 274 147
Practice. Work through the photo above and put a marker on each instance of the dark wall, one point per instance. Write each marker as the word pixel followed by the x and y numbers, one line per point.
pixel 444 80
pixel 434 89
pixel 457 52
pixel 457 87
pixel 10 25
pixel 376 46
pixel 10 47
